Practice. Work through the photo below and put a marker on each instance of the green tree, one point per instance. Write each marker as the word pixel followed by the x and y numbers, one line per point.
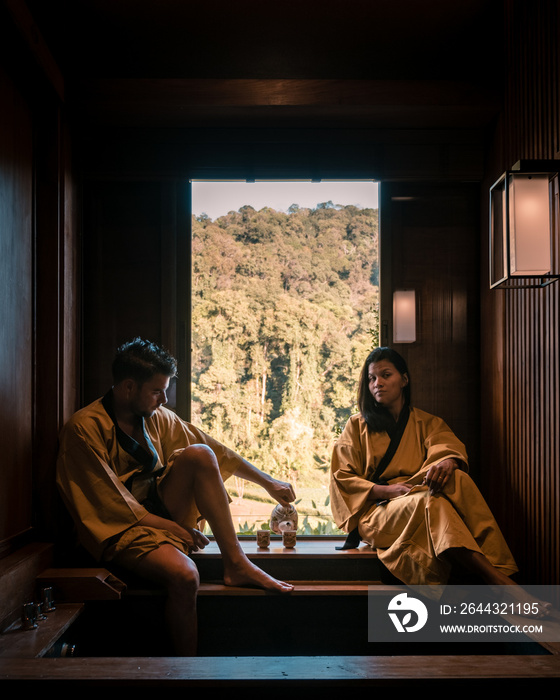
pixel 284 306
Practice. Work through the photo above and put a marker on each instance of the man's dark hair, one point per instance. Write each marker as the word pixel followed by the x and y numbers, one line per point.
pixel 140 359
pixel 377 417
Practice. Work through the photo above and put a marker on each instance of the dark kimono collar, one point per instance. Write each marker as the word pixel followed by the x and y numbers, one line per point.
pixel 395 429
pixel 148 460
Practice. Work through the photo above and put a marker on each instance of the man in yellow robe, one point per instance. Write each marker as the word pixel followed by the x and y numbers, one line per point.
pixel 417 528
pixel 137 479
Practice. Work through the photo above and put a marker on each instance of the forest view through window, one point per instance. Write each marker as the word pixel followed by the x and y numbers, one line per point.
pixel 285 294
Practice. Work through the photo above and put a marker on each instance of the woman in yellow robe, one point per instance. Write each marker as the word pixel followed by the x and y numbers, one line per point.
pixel 416 506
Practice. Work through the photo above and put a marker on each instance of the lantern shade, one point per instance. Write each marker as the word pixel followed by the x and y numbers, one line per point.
pixel 529 216
pixel 521 225
pixel 404 316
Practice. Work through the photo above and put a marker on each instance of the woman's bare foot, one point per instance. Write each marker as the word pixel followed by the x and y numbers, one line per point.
pixel 524 604
pixel 506 590
pixel 247 574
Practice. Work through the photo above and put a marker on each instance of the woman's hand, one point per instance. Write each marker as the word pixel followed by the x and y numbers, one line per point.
pixel 438 475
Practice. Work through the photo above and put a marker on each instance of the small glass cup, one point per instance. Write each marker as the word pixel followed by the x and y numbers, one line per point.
pixel 47 599
pixel 29 616
pixel 263 538
pixel 289 538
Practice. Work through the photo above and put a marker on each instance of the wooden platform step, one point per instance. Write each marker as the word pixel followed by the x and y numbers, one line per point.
pixel 301 588
pixel 315 567
pixel 309 549
pixel 312 559
pixel 82 585
pixel 19 643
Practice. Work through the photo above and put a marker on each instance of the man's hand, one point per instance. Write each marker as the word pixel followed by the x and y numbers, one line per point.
pixel 199 540
pixel 193 538
pixel 280 491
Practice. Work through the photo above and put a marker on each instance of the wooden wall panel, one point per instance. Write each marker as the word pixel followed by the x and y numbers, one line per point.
pixel 57 302
pixel 522 416
pixel 16 311
pixel 39 283
pixel 127 240
pixel 429 238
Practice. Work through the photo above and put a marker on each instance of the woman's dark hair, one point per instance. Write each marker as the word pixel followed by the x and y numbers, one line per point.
pixel 376 416
pixel 140 359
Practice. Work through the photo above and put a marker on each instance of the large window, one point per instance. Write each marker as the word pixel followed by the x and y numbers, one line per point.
pixel 285 292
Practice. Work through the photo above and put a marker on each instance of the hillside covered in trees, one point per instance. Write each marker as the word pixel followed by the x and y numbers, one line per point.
pixel 284 308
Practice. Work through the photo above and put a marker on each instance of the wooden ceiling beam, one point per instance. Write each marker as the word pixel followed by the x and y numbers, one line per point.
pixel 274 92
pixel 376 103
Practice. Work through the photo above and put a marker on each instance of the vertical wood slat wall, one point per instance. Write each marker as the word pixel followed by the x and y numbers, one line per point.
pixel 530 318
pixel 39 289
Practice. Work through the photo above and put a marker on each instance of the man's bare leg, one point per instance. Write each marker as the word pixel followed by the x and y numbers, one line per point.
pixel 195 474
pixel 179 576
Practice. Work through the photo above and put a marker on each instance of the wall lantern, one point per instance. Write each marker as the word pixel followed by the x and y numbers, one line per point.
pixel 522 224
pixel 404 316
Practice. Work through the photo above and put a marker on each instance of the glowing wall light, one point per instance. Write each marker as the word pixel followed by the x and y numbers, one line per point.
pixel 404 316
pixel 522 220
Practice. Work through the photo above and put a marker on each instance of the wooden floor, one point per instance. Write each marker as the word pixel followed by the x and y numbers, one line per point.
pixel 287 671
pixel 490 673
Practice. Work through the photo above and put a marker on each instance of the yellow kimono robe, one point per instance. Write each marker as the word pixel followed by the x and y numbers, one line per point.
pixel 103 479
pixel 411 532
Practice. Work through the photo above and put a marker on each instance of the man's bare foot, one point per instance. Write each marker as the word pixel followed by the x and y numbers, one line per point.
pixel 247 574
